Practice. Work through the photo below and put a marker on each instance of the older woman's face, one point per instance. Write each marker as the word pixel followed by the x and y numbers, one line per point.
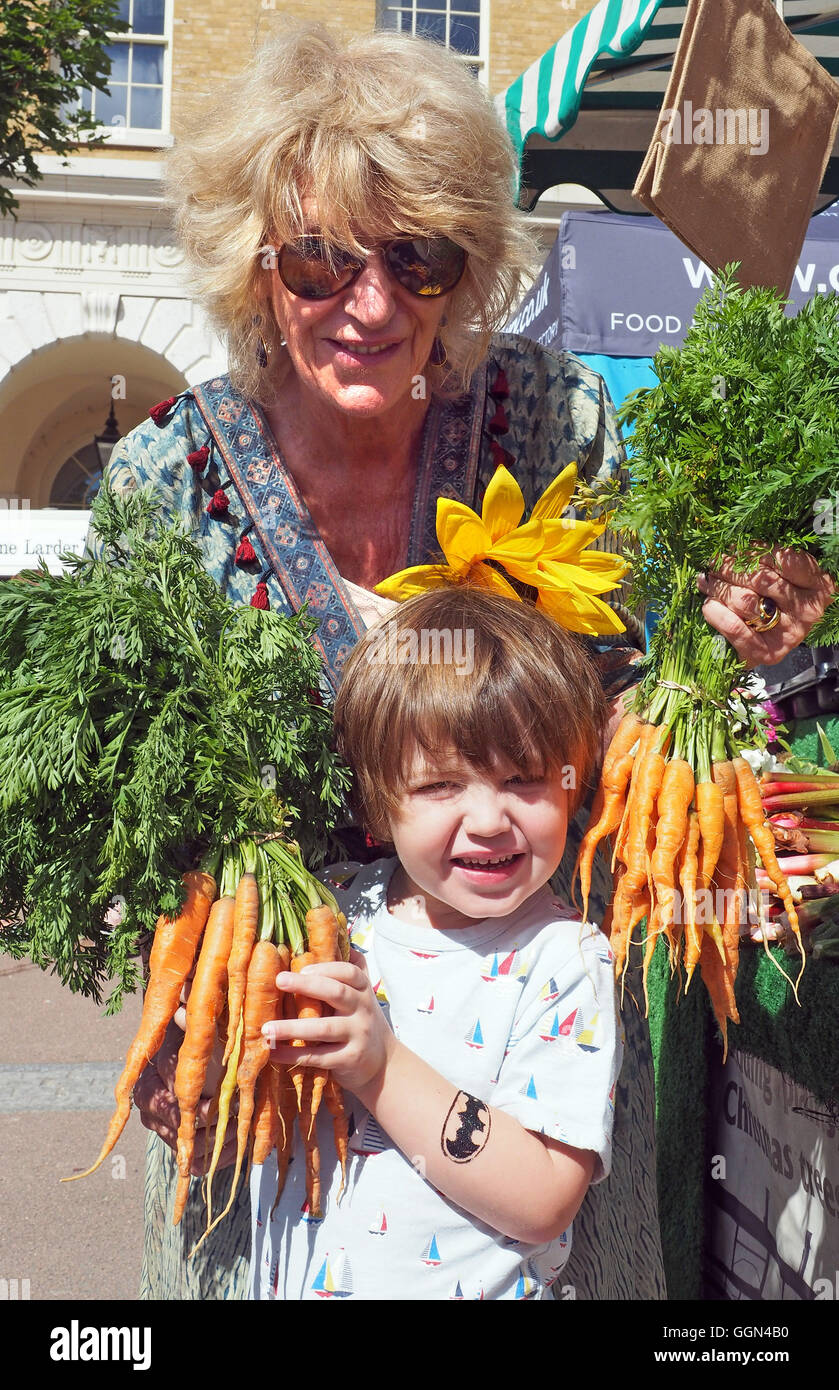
pixel 323 337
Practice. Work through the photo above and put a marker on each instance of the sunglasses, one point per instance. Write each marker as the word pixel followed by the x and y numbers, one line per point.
pixel 312 269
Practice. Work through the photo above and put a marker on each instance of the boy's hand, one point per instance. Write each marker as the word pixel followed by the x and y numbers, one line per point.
pixel 352 1040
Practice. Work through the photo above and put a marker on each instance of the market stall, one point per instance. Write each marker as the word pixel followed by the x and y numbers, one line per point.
pixel 585 111
pixel 754 1213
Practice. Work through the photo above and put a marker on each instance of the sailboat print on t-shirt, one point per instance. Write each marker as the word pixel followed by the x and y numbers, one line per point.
pixel 499 967
pixel 369 1139
pixel 549 993
pixel 431 1253
pixel 586 1037
pixel 527 1286
pixel 334 1281
pixel 378 1227
pixel 505 965
pixel 549 1031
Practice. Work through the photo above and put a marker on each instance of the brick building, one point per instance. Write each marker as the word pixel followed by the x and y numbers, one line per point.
pixel 92 310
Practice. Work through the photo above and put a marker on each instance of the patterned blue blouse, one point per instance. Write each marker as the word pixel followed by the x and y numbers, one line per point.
pixel 556 411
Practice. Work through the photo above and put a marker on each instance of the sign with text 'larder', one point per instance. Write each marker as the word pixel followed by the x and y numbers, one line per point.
pixel 31 534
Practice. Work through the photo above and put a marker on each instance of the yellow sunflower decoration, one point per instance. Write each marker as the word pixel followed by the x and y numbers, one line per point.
pixel 549 553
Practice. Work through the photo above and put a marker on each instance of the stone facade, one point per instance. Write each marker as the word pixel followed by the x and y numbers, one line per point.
pixel 92 302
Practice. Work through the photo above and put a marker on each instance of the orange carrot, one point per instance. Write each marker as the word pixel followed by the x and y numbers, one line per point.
pixel 688 882
pixel 306 1008
pixel 262 1004
pixel 753 814
pixel 172 957
pixel 647 738
pixel 266 1114
pixel 720 945
pixel 709 809
pixel 674 799
pixel 607 814
pixel 322 932
pixel 340 1126
pixel 244 935
pixel 343 937
pixel 266 1132
pixel 713 978
pixel 203 1009
pixel 288 1108
pixel 640 910
pixel 634 851
pixel 311 1149
pixel 625 737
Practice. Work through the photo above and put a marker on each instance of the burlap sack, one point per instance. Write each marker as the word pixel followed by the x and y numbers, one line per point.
pixel 746 130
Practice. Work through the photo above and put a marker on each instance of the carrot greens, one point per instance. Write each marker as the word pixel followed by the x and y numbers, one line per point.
pixel 144 720
pixel 734 454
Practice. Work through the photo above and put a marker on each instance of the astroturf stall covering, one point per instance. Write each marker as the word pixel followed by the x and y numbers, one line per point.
pixel 747 1152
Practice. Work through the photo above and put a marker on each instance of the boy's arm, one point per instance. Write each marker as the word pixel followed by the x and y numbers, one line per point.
pixel 521 1184
pixel 524 1185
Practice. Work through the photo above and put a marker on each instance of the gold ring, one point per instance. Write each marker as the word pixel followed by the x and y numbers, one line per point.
pixel 769 616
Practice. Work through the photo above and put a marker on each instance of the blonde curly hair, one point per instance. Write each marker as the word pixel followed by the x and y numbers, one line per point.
pixel 391 135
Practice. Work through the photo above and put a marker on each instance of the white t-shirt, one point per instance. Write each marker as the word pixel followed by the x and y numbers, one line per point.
pixel 519 1012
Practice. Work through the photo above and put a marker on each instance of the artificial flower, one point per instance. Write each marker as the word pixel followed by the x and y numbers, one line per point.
pixel 548 553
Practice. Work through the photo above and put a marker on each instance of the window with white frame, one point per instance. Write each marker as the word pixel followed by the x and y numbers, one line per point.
pixel 462 25
pixel 138 99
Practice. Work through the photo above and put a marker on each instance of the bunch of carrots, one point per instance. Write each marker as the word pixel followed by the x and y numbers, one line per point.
pixel 250 911
pixel 688 824
pixel 731 450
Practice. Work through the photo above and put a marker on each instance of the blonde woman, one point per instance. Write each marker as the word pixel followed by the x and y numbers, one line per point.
pixel 346 211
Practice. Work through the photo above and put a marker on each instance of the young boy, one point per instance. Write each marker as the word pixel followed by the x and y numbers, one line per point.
pixel 474 1029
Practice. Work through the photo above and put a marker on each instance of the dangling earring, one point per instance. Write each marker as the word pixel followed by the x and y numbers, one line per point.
pixel 438 356
pixel 262 346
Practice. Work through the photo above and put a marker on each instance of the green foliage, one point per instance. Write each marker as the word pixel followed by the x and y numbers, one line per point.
pixel 48 51
pixel 144 720
pixel 735 445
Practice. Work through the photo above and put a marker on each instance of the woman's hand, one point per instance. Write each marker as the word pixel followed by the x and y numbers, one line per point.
pixel 154 1098
pixel 791 579
pixel 353 1042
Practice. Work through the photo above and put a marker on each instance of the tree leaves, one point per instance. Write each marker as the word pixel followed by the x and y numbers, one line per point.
pixel 48 53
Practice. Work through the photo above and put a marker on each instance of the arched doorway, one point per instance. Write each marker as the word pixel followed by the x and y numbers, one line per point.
pixel 57 401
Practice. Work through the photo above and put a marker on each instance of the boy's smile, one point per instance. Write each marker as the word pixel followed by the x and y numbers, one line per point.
pixel 473 845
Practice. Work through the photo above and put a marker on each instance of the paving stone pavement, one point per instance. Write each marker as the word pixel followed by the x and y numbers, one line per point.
pixel 59 1059
pixel 52 1086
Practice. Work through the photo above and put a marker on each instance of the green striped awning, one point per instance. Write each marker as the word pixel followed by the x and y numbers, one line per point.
pixel 585 111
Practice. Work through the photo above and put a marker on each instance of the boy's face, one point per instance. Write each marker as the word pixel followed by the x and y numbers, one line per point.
pixel 452 820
